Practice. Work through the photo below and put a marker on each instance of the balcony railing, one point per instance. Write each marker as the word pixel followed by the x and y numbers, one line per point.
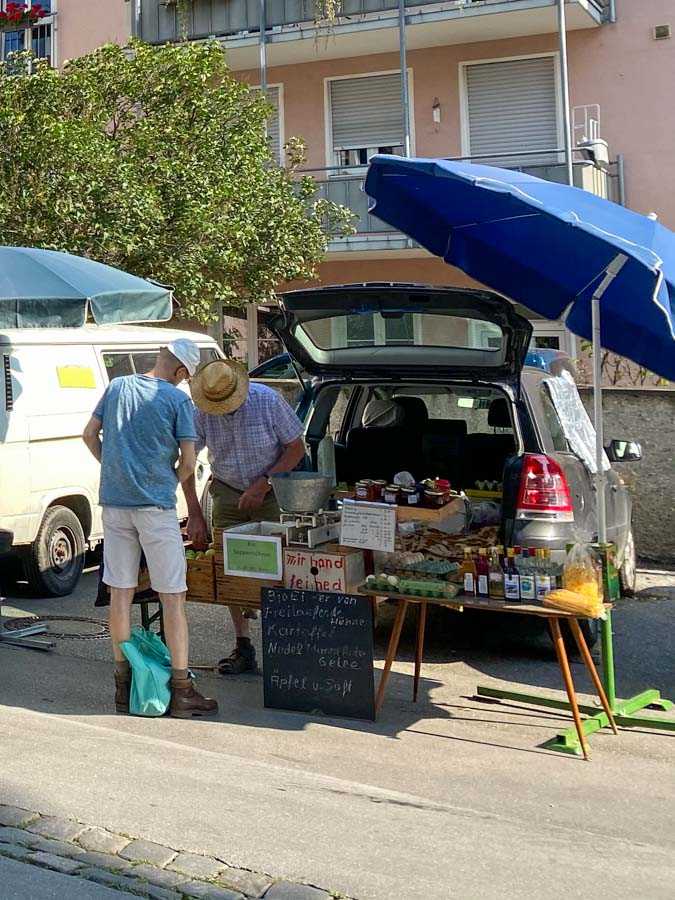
pixel 345 186
pixel 159 21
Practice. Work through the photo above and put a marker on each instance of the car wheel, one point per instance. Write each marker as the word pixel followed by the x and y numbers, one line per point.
pixel 628 570
pixel 55 559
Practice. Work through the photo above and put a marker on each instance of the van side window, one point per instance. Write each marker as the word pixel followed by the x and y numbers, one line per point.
pixel 553 423
pixel 208 354
pixel 117 364
pixel 144 361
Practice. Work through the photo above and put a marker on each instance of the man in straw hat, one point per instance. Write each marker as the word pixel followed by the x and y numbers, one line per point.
pixel 251 433
pixel 148 427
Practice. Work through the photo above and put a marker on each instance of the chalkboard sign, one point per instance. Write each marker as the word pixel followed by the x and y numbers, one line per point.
pixel 318 652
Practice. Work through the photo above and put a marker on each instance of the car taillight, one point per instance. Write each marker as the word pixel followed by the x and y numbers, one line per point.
pixel 544 492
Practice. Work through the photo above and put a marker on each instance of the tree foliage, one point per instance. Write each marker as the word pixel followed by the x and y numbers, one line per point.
pixel 156 160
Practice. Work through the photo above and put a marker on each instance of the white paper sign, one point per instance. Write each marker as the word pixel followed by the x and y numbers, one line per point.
pixel 369 526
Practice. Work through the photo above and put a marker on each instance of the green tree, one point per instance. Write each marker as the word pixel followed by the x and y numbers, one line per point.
pixel 156 160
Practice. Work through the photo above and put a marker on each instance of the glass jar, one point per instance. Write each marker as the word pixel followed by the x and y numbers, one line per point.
pixel 378 489
pixel 409 497
pixel 391 493
pixel 443 485
pixel 434 499
pixel 364 490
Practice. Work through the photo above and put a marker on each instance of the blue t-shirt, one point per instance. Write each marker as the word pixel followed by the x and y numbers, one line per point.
pixel 143 419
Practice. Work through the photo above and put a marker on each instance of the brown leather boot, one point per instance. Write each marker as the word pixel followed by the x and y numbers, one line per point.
pixel 186 702
pixel 122 691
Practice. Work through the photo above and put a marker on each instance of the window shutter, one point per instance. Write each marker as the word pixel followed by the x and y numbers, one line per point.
pixel 274 124
pixel 366 112
pixel 512 105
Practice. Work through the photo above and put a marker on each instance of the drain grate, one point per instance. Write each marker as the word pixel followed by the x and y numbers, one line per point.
pixel 70 627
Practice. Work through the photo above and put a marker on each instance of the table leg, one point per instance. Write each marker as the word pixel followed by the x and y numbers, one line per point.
pixel 391 651
pixel 564 664
pixel 419 649
pixel 592 671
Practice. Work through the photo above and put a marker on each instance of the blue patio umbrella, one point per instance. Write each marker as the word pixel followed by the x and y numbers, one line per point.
pixel 45 288
pixel 563 253
pixel 545 245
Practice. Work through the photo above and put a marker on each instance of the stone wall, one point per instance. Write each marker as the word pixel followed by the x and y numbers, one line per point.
pixel 646 416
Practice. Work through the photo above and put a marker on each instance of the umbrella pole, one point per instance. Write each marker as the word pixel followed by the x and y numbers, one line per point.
pixel 611 272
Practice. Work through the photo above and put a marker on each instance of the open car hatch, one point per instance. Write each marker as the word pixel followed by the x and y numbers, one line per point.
pixel 395 330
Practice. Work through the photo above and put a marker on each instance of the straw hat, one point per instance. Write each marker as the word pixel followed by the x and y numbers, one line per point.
pixel 220 386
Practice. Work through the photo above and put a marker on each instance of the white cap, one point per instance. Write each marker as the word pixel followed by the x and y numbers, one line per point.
pixel 187 352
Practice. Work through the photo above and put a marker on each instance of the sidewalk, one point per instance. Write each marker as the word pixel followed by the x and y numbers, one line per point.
pixel 88 862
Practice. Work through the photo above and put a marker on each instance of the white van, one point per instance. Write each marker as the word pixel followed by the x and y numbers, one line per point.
pixel 52 380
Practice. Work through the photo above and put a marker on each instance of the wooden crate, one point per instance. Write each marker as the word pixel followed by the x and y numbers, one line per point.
pixel 201 580
pixel 237 590
pixel 328 567
pixel 418 513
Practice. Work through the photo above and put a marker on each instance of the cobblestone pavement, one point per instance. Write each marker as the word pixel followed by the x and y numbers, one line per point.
pixel 133 865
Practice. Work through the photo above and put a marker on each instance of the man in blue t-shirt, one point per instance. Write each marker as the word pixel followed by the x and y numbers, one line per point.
pixel 148 447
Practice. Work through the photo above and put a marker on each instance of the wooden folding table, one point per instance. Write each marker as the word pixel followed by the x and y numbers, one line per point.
pixel 462 602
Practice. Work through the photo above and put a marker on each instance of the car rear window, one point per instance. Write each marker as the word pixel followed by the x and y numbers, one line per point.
pixel 369 329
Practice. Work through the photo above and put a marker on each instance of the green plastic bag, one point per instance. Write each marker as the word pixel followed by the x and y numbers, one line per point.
pixel 150 663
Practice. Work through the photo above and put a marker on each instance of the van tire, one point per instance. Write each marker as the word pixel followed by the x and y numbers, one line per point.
pixel 55 559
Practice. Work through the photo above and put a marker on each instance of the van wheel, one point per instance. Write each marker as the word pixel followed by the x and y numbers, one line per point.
pixel 55 560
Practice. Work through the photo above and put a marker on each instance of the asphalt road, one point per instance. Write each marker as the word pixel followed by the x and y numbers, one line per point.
pixel 447 797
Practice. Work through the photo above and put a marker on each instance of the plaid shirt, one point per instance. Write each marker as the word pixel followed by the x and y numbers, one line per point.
pixel 245 444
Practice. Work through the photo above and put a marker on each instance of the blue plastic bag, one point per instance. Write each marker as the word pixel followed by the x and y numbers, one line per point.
pixel 150 663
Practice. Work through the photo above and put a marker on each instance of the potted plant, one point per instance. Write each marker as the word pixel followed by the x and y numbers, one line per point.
pixel 20 15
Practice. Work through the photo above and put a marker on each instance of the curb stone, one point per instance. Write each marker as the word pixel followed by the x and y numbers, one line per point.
pixel 134 865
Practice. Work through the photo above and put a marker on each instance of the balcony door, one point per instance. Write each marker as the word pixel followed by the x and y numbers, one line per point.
pixel 511 106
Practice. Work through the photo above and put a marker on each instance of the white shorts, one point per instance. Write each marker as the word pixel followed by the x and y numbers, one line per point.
pixel 155 531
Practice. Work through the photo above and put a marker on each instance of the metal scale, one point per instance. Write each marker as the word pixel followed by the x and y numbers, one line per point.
pixel 311 529
pixel 302 497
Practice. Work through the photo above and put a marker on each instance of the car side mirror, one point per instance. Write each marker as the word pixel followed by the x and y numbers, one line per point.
pixel 624 451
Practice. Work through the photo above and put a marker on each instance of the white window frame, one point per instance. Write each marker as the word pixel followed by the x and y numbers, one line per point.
pixel 464 94
pixel 339 332
pixel 282 118
pixel 551 329
pixel 28 32
pixel 328 115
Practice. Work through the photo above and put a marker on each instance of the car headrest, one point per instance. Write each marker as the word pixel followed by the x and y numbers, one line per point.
pixel 415 413
pixel 381 413
pixel 498 414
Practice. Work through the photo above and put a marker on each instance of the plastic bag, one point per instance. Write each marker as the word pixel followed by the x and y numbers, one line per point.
pixel 581 575
pixel 486 512
pixel 150 663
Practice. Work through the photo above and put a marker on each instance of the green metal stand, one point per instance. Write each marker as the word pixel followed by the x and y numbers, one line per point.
pixel 623 710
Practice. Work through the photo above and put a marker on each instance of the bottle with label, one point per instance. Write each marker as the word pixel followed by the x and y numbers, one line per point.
pixel 468 572
pixel 542 576
pixel 496 576
pixel 526 573
pixel 482 574
pixel 511 579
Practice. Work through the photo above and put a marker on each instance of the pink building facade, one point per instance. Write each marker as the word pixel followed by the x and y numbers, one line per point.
pixel 484 82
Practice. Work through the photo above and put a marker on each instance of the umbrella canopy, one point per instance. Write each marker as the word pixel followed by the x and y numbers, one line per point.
pixel 543 244
pixel 44 288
